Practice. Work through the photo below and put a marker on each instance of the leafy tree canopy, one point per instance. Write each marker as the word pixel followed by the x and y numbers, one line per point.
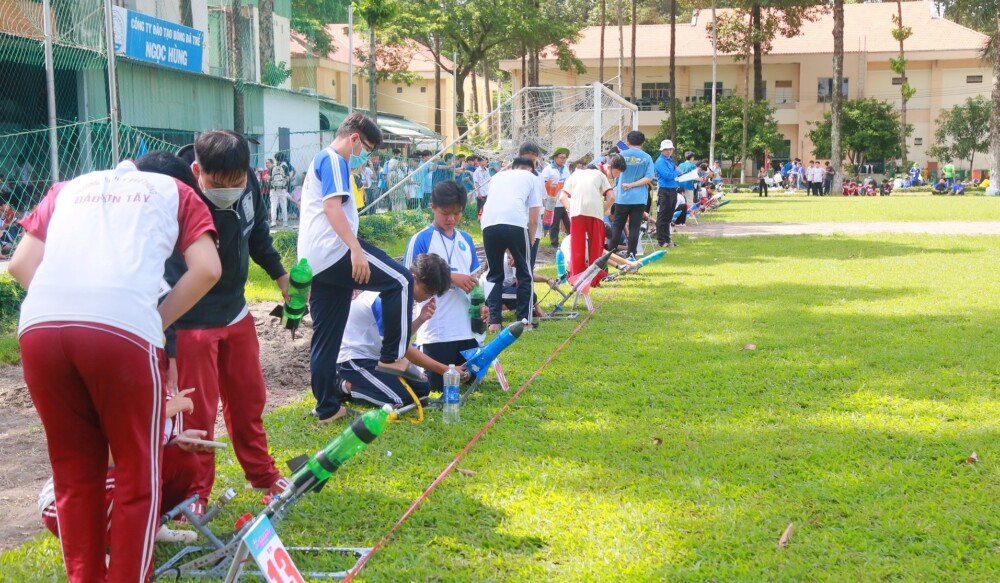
pixel 869 130
pixel 963 131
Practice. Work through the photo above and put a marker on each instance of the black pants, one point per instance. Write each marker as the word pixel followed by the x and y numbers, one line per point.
pixel 413 203
pixel 496 240
pixel 330 303
pixel 633 214
pixel 446 353
pixel 683 217
pixel 666 204
pixel 827 186
pixel 761 187
pixel 817 188
pixel 378 388
pixel 559 215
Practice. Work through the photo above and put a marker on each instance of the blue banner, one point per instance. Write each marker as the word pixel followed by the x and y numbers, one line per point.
pixel 149 39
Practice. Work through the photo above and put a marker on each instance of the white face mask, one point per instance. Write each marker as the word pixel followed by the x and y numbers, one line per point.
pixel 223 197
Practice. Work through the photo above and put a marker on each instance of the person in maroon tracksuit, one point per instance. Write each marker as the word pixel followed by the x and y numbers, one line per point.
pixel 91 338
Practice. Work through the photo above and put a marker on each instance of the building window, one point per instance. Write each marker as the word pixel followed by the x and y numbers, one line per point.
pixel 782 92
pixel 898 80
pixel 399 89
pixel 423 90
pixel 656 92
pixel 918 141
pixel 974 79
pixel 825 90
pixel 706 93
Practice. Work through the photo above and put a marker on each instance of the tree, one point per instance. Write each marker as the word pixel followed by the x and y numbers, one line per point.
pixel 836 113
pixel 898 66
pixel 995 115
pixel 963 131
pixel 754 24
pixel 310 17
pixel 673 70
pixel 376 13
pixel 870 130
pixel 695 135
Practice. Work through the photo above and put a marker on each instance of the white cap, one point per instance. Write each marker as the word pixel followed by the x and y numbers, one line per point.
pixel 666 145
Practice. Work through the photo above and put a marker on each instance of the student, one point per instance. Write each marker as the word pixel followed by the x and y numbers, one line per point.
pixel 531 152
pixel 91 338
pixel 554 176
pixel 281 176
pixel 481 178
pixel 666 195
pixel 359 351
pixel 510 222
pixel 958 188
pixel 341 263
pixel 632 190
pixel 449 330
pixel 588 195
pixel 215 346
pixel 942 186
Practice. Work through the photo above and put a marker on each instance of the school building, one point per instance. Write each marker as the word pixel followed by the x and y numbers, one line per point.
pixel 943 65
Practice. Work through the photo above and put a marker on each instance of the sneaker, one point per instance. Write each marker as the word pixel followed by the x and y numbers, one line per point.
pixel 631 257
pixel 277 487
pixel 169 535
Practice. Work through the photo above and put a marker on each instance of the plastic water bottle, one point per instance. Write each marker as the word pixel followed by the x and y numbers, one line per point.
pixel 300 279
pixel 451 398
pixel 560 263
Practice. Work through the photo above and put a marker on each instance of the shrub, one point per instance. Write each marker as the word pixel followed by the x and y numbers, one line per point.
pixel 11 296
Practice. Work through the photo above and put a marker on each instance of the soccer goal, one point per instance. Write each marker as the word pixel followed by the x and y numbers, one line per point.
pixel 586 119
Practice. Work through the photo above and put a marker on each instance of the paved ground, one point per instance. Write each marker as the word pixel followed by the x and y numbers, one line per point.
pixel 709 228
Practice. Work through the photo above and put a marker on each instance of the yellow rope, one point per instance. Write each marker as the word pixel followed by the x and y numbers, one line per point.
pixel 416 401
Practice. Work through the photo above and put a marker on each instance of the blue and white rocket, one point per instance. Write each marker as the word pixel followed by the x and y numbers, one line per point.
pixel 478 360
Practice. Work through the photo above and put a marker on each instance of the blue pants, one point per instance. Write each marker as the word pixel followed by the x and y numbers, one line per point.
pixel 330 304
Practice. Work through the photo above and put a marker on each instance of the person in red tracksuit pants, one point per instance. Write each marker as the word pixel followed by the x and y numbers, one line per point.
pixel 91 338
pixel 217 351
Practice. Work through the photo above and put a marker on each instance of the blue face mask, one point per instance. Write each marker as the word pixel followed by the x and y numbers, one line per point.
pixel 359 160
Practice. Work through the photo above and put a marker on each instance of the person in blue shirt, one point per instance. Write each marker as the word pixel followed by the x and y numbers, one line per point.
pixel 915 175
pixel 666 195
pixel 632 190
pixel 958 188
pixel 686 166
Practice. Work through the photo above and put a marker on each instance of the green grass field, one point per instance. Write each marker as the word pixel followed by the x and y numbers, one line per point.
pixel 656 448
pixel 780 207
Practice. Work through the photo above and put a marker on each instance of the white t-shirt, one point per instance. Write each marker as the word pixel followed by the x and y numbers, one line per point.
pixel 509 278
pixel 328 176
pixel 555 175
pixel 107 238
pixel 481 180
pixel 451 318
pixel 587 189
pixel 363 334
pixel 514 193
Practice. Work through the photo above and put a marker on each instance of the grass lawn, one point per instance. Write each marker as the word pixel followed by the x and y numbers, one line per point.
pixel 654 448
pixel 798 208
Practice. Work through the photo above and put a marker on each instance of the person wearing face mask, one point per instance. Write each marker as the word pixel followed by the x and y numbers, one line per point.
pixel 215 348
pixel 341 263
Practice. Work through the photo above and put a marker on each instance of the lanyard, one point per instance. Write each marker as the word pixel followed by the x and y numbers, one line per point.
pixel 444 242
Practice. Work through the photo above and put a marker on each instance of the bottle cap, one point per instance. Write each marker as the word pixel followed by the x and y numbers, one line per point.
pixel 242 521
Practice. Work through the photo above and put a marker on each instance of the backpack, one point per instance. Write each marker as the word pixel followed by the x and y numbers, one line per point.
pixel 279 177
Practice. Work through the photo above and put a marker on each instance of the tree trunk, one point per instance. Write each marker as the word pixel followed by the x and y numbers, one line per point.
pixel 621 50
pixel 372 81
pixel 836 148
pixel 673 70
pixel 995 121
pixel 632 64
pixel 437 86
pixel 475 95
pixel 266 35
pixel 746 119
pixel 460 76
pixel 239 102
pixel 902 106
pixel 758 64
pixel 715 105
pixel 604 23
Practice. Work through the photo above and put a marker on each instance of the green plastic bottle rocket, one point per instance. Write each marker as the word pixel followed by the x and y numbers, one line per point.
pixel 477 300
pixel 300 279
pixel 316 470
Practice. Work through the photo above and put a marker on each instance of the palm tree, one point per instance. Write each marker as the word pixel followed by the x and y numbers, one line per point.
pixel 377 13
pixel 836 152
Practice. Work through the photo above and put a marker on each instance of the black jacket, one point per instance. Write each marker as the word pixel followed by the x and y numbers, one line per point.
pixel 244 234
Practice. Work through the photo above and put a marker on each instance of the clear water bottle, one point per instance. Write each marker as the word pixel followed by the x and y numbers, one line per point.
pixel 560 263
pixel 451 398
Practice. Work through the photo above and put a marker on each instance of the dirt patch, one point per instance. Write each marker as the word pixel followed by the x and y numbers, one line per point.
pixel 25 466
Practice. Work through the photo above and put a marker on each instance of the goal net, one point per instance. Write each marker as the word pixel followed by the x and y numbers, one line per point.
pixel 586 119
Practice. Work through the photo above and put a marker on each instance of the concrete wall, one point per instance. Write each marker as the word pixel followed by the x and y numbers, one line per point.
pixel 300 115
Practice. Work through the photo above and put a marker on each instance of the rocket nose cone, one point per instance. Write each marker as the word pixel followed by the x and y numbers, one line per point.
pixel 516 329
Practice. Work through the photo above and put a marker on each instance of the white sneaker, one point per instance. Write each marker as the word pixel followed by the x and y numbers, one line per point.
pixel 168 535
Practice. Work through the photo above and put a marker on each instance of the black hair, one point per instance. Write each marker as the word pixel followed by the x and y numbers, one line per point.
pixel 279 156
pixel 616 161
pixel 448 193
pixel 364 126
pixel 432 272
pixel 688 155
pixel 224 154
pixel 521 162
pixel 162 162
pixel 635 138
pixel 528 148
